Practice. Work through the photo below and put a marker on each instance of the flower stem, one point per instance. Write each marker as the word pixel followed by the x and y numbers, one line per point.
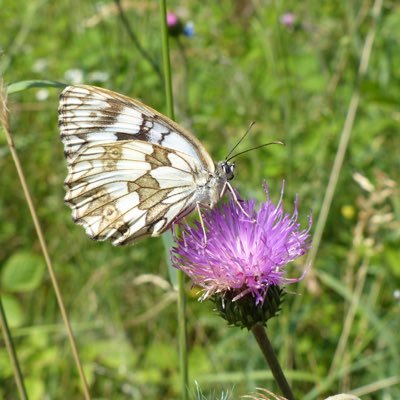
pixel 260 334
pixel 183 350
pixel 166 60
pixel 182 329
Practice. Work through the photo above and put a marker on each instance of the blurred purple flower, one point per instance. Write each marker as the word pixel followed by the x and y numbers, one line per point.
pixel 176 27
pixel 288 19
pixel 242 255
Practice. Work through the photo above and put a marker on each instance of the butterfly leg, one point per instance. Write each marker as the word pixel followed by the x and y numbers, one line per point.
pixel 228 186
pixel 198 208
pixel 202 223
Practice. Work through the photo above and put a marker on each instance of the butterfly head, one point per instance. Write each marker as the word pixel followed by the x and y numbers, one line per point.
pixel 226 169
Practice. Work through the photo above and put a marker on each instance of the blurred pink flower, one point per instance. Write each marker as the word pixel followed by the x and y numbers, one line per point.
pixel 288 19
pixel 172 19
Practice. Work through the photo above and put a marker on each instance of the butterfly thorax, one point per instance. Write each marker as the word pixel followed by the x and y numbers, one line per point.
pixel 214 184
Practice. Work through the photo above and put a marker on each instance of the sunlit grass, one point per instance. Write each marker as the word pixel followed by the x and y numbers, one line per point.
pixel 243 65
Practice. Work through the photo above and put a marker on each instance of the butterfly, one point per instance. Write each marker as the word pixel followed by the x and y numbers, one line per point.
pixel 132 172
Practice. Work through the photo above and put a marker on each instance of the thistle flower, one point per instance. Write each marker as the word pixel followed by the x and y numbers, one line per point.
pixel 176 26
pixel 239 258
pixel 246 250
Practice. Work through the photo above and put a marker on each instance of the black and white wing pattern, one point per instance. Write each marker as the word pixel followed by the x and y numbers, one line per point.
pixel 132 172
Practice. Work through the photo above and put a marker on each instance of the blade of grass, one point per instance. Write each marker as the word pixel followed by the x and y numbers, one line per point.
pixel 342 148
pixel 326 383
pixel 23 85
pixel 362 70
pixel 376 386
pixel 345 135
pixel 338 162
pixel 26 24
pixel 183 356
pixel 18 376
pixel 135 40
pixel 39 232
pixel 351 313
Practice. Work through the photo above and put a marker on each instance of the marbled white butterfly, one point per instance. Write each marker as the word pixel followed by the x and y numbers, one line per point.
pixel 132 172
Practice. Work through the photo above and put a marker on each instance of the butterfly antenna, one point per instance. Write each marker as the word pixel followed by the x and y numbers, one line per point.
pixel 253 148
pixel 240 141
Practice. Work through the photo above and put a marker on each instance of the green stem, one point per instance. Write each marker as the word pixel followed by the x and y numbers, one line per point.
pixel 19 378
pixel 183 351
pixel 260 334
pixel 183 356
pixel 166 60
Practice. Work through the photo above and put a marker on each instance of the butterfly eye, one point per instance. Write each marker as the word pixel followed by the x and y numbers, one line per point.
pixel 229 169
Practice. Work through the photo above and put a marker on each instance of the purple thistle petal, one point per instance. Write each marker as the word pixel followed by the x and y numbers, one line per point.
pixel 242 254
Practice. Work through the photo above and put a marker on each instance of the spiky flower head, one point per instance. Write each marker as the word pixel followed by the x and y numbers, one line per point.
pixel 242 254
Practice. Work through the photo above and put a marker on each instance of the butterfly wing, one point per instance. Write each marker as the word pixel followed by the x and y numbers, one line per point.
pixel 90 114
pixel 129 189
pixel 131 171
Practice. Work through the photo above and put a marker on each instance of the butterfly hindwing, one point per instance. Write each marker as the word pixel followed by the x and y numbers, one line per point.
pixel 128 189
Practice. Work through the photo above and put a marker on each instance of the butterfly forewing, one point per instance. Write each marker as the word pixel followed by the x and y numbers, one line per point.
pixel 131 171
pixel 88 114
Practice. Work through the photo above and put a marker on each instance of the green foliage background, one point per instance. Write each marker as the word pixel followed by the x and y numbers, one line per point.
pixel 242 65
